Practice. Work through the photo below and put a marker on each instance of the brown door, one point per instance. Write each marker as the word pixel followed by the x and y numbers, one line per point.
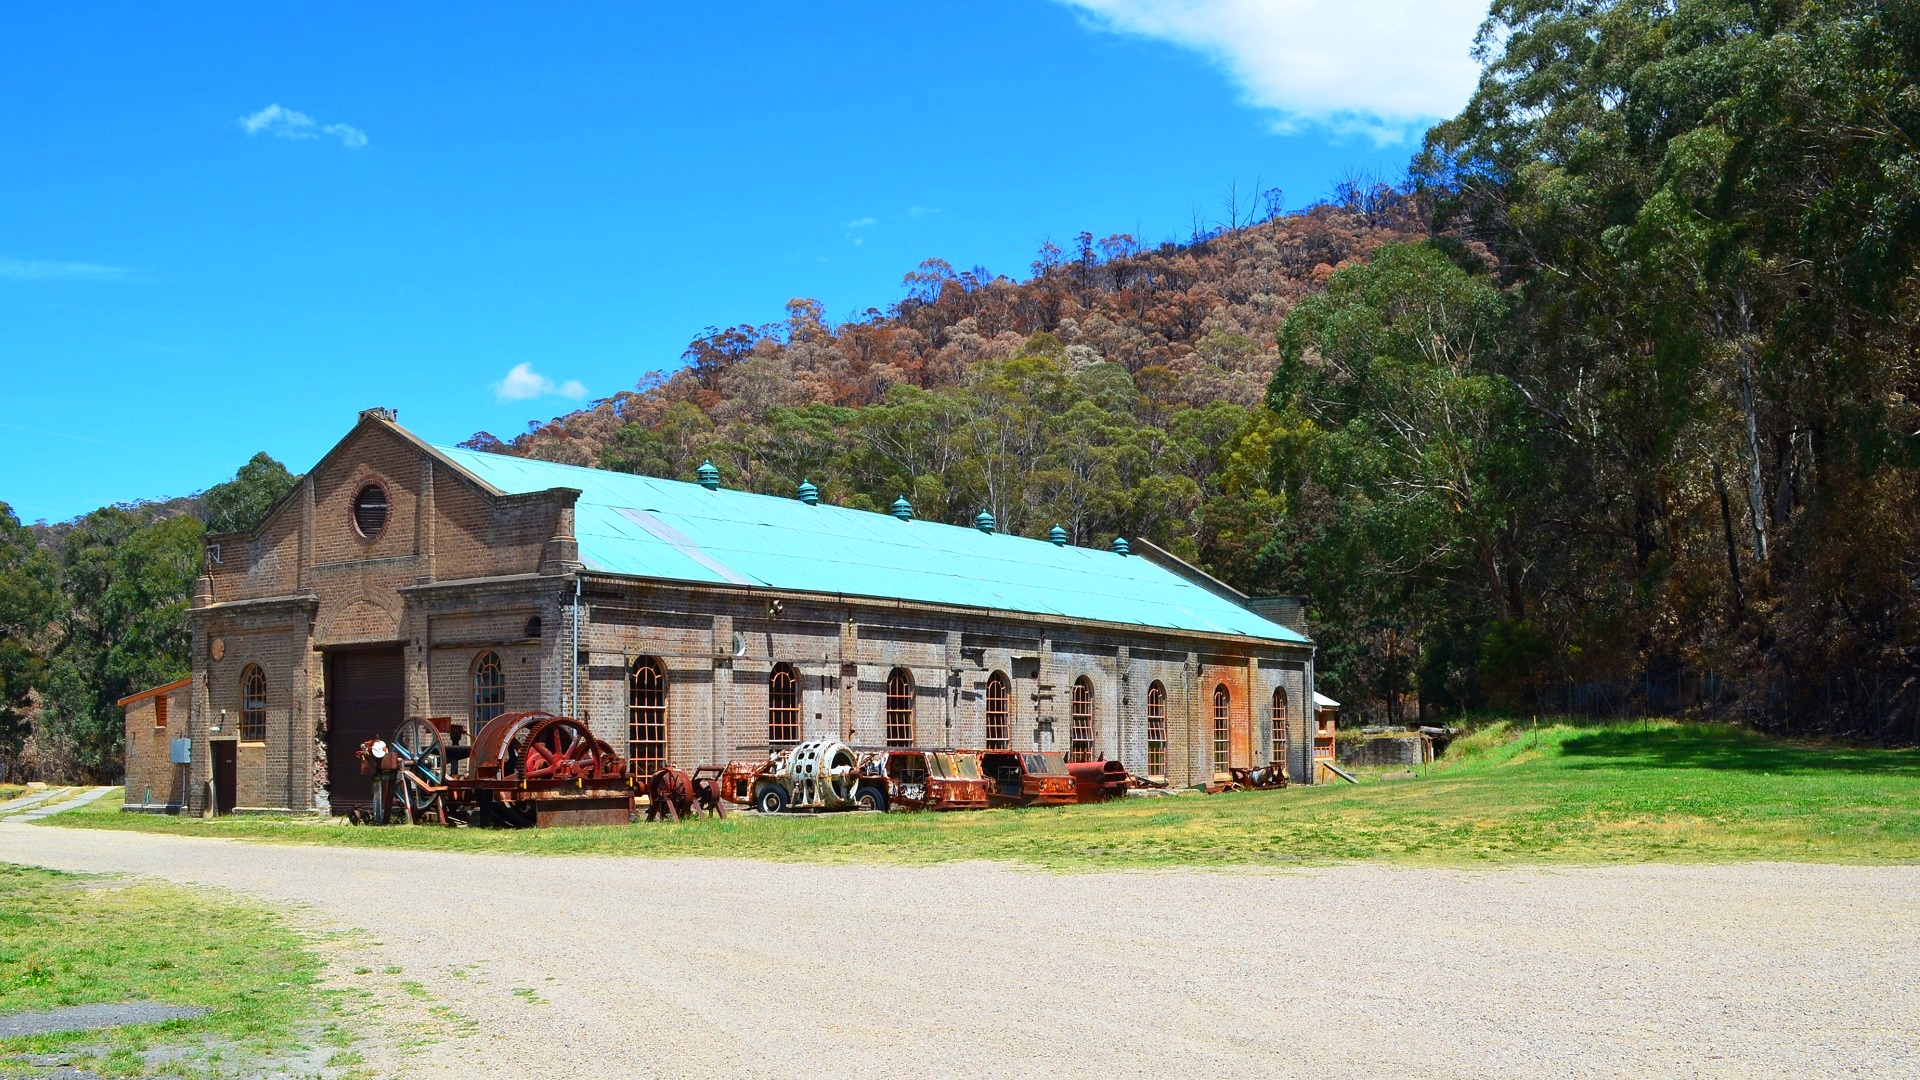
pixel 224 777
pixel 366 696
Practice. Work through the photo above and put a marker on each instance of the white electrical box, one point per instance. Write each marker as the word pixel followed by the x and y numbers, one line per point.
pixel 182 752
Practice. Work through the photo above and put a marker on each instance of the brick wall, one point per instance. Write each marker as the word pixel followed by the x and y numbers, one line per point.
pixel 457 572
pixel 152 781
pixel 718 686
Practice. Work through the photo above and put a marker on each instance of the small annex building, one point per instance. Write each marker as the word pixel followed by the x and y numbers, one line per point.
pixel 685 621
pixel 155 719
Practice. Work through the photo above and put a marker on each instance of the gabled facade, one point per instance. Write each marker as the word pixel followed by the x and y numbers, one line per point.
pixel 683 622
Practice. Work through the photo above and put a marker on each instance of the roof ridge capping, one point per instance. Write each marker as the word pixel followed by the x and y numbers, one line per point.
pixel 894 511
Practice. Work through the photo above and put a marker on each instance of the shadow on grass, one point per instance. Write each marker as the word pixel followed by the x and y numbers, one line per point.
pixel 1702 746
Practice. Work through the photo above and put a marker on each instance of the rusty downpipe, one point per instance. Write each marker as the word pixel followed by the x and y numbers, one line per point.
pixel 576 710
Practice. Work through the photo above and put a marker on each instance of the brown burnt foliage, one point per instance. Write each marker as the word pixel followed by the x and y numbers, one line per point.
pixel 1193 323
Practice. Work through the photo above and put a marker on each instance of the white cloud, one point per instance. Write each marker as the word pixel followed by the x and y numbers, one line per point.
pixel 350 137
pixel 524 384
pixel 860 223
pixel 1379 68
pixel 31 270
pixel 293 124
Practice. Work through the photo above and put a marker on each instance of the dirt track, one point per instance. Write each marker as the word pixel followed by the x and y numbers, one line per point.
pixel 743 969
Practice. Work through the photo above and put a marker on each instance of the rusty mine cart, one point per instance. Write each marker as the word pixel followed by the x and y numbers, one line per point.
pixel 928 779
pixel 1026 778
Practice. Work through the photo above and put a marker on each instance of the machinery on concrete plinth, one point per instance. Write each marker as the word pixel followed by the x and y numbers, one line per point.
pixel 522 769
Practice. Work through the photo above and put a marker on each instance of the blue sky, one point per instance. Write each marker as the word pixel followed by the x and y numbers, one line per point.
pixel 228 229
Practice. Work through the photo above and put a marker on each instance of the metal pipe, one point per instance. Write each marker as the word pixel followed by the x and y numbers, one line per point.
pixel 577 714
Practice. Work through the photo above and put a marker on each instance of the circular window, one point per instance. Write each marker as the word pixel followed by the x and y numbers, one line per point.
pixel 370 511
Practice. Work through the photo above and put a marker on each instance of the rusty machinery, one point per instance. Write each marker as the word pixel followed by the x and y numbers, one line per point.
pixel 1263 778
pixel 525 768
pixel 816 774
pixel 673 794
pixel 669 795
pixel 1099 781
pixel 1026 778
pixel 927 779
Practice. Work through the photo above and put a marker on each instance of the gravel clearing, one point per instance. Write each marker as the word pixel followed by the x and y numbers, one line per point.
pixel 93 1017
pixel 608 967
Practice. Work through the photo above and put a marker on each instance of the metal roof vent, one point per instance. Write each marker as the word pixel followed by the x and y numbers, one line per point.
pixel 984 522
pixel 707 475
pixel 807 493
pixel 903 509
pixel 1058 535
pixel 1120 546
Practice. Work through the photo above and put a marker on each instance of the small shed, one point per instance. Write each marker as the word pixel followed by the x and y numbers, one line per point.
pixel 156 722
pixel 1326 714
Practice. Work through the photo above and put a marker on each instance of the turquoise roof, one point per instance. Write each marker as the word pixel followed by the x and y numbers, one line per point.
pixel 641 526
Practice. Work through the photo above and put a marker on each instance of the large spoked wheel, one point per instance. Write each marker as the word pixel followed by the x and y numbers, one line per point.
pixel 501 743
pixel 560 749
pixel 423 754
pixel 771 799
pixel 424 748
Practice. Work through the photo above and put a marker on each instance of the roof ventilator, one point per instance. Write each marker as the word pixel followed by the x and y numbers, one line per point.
pixel 708 476
pixel 1120 546
pixel 807 493
pixel 1058 535
pixel 984 522
pixel 903 509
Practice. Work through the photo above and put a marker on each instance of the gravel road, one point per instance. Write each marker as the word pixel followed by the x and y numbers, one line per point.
pixel 714 968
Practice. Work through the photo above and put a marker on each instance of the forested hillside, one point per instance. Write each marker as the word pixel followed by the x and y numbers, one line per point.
pixel 94 609
pixel 1110 392
pixel 1610 404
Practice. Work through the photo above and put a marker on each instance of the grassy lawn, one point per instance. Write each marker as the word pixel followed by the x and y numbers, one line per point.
pixel 1661 791
pixel 12 791
pixel 71 940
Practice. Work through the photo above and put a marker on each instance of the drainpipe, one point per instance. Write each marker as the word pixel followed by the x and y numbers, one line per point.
pixel 577 715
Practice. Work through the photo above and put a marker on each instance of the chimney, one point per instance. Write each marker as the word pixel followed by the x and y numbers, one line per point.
pixel 1288 611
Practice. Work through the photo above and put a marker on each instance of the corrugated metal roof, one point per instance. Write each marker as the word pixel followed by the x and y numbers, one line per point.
pixel 642 526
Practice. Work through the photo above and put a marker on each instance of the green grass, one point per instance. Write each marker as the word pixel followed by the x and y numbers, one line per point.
pixel 1658 791
pixel 12 791
pixel 71 940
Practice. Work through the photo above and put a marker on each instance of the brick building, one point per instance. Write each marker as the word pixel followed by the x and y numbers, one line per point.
pixel 683 621
pixel 154 719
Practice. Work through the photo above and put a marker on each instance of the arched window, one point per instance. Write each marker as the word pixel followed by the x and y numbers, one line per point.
pixel 253 704
pixel 999 711
pixel 489 688
pixel 899 708
pixel 1282 726
pixel 1222 727
pixel 1156 729
pixel 647 717
pixel 1081 747
pixel 783 706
